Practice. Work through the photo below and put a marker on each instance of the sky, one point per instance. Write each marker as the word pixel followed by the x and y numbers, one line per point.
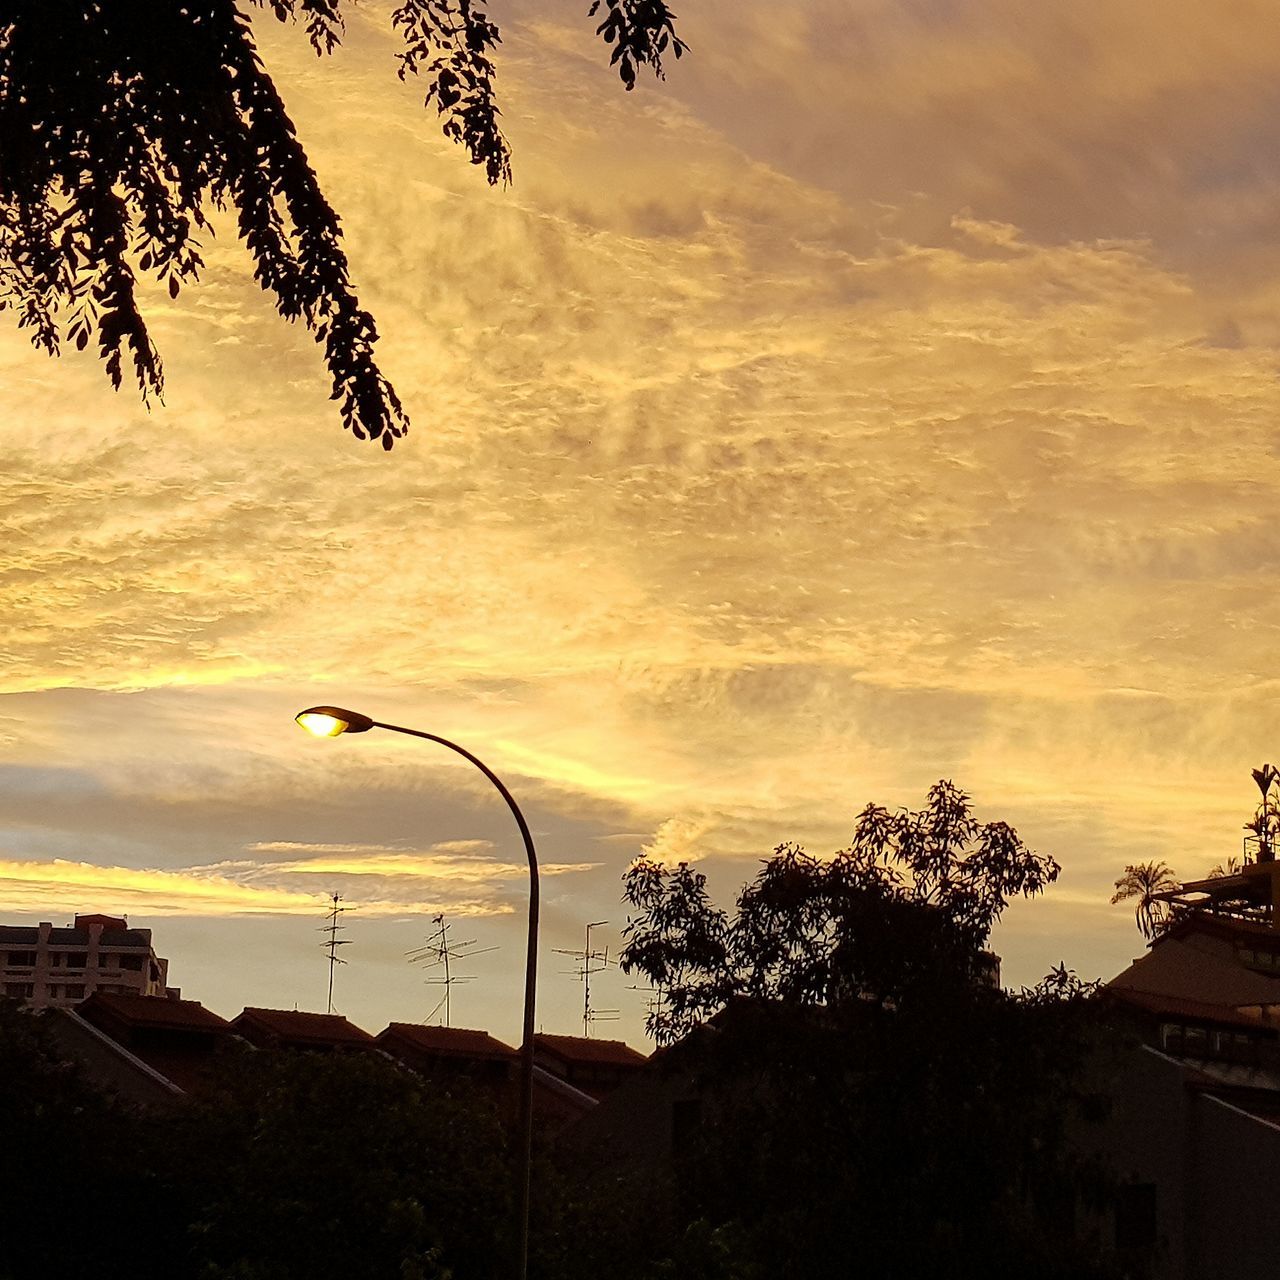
pixel 889 395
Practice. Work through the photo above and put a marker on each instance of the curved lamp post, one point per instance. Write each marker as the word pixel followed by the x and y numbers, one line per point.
pixel 329 722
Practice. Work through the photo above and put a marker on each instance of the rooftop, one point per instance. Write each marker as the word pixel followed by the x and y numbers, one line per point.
pixel 1176 966
pixel 448 1041
pixel 580 1049
pixel 28 935
pixel 1192 1010
pixel 290 1026
pixel 150 1011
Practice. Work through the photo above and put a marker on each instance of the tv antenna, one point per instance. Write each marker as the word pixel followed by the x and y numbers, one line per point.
pixel 334 942
pixel 439 951
pixel 590 962
pixel 653 1005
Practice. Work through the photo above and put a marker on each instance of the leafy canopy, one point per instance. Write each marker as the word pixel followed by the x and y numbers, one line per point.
pixel 123 121
pixel 907 907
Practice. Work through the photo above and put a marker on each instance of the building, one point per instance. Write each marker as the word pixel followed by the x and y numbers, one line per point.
pixel 293 1029
pixel 595 1067
pixel 58 968
pixel 142 1049
pixel 1195 1099
pixel 451 1052
pixel 568 1077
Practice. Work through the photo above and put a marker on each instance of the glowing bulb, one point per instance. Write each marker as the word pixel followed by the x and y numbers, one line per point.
pixel 328 722
pixel 321 724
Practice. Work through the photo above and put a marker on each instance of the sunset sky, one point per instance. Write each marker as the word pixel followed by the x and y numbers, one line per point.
pixel 889 395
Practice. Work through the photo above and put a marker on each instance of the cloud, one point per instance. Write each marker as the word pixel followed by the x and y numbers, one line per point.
pixel 862 407
pixel 240 889
pixel 62 887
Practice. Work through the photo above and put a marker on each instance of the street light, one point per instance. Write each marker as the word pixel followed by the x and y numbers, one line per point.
pixel 329 722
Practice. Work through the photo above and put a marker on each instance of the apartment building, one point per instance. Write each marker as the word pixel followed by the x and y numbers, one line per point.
pixel 49 967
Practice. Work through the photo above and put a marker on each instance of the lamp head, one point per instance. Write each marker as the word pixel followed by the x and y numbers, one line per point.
pixel 328 722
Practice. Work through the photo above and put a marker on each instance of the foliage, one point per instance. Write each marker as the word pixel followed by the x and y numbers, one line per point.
pixel 705 1252
pixel 868 1097
pixel 906 908
pixel 305 1164
pixel 123 122
pixel 1264 826
pixel 1143 881
pixel 860 1139
pixel 916 1141
pixel 64 1142
pixel 294 1165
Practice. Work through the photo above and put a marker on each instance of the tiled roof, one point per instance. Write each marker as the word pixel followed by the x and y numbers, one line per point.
pixel 1177 1007
pixel 295 1027
pixel 150 1011
pixel 1218 925
pixel 1177 967
pixel 451 1041
pixel 579 1049
pixel 24 934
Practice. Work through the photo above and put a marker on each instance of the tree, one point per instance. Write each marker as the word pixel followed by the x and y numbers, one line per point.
pixel 63 1134
pixel 122 122
pixel 869 1101
pixel 907 908
pixel 1264 826
pixel 284 1165
pixel 1144 881
pixel 301 1164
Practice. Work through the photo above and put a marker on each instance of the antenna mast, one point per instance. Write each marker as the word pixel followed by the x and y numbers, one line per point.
pixel 334 942
pixel 439 951
pixel 652 1006
pixel 590 962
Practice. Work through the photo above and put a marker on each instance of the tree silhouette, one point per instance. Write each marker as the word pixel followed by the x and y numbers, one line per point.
pixel 858 1094
pixel 1143 881
pixel 122 122
pixel 907 907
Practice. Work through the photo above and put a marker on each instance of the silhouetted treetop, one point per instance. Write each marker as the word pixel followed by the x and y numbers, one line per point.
pixel 123 121
pixel 904 911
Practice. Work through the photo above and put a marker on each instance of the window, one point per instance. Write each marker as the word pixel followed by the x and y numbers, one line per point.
pixel 74 991
pixel 131 962
pixel 76 959
pixel 22 960
pixel 18 990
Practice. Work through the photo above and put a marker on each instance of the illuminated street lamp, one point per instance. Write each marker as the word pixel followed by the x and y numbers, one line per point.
pixel 329 722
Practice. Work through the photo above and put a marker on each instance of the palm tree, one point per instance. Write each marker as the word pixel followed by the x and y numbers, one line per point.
pixel 1144 880
pixel 1229 867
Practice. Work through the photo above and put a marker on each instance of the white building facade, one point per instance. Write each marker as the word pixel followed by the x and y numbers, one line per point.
pixel 46 967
